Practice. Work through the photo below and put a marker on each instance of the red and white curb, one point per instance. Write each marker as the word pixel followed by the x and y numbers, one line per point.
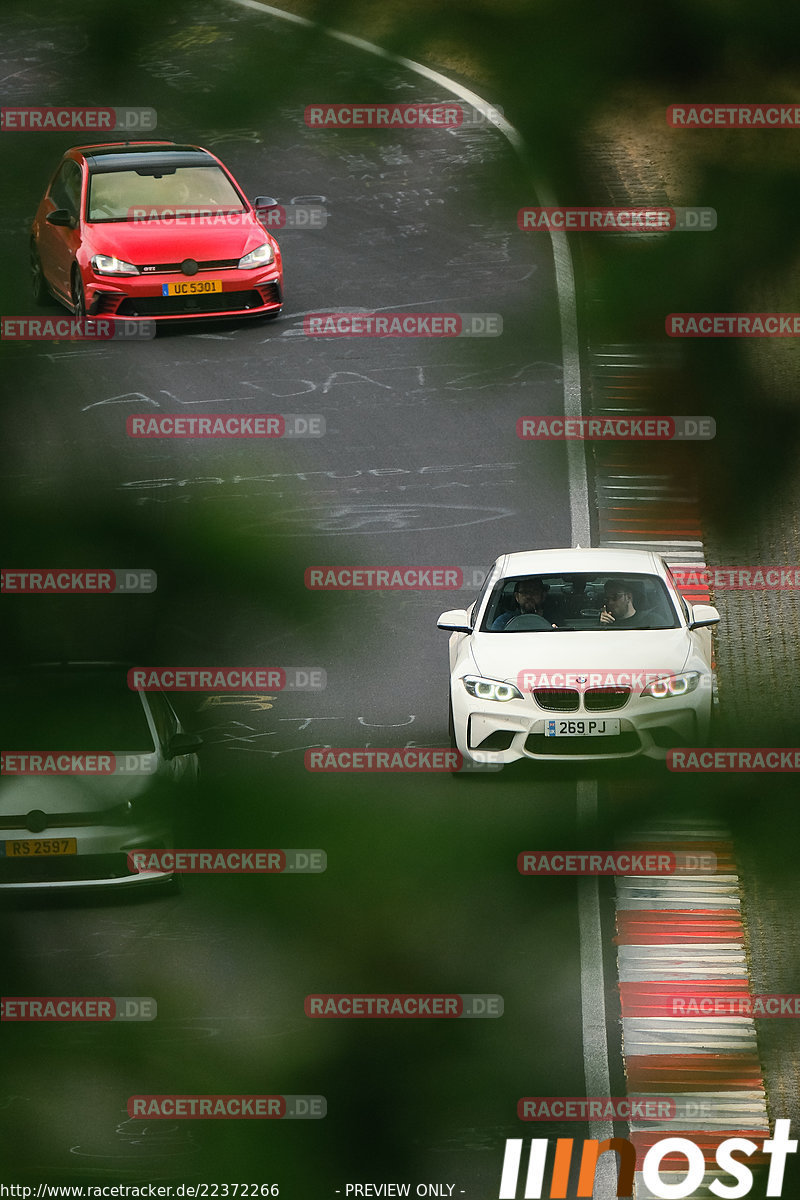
pixel 681 937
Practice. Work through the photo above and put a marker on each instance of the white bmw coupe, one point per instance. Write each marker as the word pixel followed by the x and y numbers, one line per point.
pixel 578 655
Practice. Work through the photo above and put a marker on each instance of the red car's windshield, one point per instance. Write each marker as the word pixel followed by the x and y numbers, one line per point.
pixel 141 196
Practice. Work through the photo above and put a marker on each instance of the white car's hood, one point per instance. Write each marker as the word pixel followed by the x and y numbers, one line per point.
pixel 21 794
pixel 506 655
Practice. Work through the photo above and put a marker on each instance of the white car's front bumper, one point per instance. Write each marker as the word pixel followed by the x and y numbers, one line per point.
pixel 101 860
pixel 494 732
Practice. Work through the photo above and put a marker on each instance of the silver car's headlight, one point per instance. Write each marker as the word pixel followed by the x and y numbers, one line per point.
pixel 673 685
pixel 259 257
pixel 490 689
pixel 107 264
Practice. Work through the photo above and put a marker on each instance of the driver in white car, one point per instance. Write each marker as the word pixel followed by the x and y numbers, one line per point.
pixel 530 596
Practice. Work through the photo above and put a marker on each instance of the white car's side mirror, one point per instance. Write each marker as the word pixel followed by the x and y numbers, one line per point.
pixel 456 620
pixel 703 615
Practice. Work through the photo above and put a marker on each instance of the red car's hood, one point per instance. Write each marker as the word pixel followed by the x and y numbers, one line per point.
pixel 161 241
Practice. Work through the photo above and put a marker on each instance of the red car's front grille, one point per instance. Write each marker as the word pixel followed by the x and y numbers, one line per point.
pixel 211 264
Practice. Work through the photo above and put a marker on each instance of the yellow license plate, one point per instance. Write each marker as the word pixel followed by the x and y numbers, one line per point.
pixel 41 847
pixel 191 287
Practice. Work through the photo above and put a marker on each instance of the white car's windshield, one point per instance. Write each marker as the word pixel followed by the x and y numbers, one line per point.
pixel 144 195
pixel 87 711
pixel 568 602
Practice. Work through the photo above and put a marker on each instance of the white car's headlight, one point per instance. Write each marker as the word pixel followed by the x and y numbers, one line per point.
pixel 107 264
pixel 490 689
pixel 259 257
pixel 673 685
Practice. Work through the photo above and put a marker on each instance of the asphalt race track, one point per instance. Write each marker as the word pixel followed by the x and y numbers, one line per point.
pixel 419 465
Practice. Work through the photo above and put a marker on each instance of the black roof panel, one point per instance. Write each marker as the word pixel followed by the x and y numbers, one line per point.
pixel 128 157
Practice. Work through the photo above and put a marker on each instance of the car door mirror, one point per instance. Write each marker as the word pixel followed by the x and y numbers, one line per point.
pixel 455 620
pixel 183 743
pixel 703 615
pixel 265 202
pixel 61 216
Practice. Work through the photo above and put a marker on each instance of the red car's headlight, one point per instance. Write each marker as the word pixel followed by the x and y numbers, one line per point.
pixel 107 264
pixel 260 257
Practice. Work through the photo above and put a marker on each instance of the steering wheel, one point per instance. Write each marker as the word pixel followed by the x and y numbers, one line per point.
pixel 526 622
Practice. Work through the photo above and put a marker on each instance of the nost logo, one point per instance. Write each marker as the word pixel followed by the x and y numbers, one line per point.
pixel 677 1155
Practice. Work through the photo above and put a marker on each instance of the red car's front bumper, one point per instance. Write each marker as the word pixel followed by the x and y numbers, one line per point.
pixel 140 297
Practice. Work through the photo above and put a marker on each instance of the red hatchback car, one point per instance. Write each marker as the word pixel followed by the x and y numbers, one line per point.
pixel 153 230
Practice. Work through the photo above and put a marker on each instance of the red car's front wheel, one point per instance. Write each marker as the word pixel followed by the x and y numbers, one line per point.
pixel 41 295
pixel 78 294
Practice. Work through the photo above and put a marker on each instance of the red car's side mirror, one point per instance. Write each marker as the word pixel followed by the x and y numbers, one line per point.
pixel 61 216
